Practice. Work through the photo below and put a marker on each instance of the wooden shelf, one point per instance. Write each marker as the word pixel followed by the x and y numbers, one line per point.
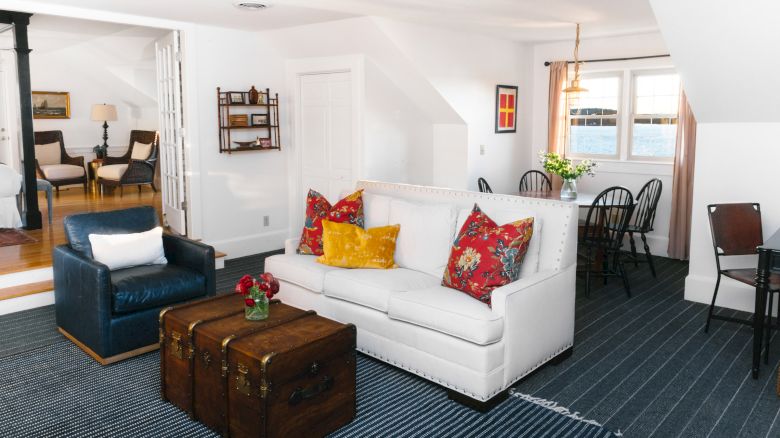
pixel 250 127
pixel 254 148
pixel 249 104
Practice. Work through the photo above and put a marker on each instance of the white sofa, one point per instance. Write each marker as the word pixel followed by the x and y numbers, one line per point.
pixel 10 185
pixel 406 318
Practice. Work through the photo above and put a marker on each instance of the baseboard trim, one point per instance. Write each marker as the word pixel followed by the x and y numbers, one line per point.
pixel 112 359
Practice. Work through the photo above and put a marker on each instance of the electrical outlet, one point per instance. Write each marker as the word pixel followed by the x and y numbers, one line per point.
pixel 266 221
pixel 482 149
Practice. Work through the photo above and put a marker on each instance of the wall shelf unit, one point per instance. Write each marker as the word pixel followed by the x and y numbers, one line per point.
pixel 236 113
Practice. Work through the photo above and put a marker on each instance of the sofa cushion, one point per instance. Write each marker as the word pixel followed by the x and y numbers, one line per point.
pixel 349 246
pixel 147 287
pixel 503 216
pixel 373 287
pixel 112 172
pixel 376 209
pixel 448 311
pixel 299 269
pixel 427 231
pixel 54 172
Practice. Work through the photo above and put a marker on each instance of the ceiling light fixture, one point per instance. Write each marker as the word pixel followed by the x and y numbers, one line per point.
pixel 575 88
pixel 251 5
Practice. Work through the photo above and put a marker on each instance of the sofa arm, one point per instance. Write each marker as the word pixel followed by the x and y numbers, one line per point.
pixel 192 255
pixel 538 316
pixel 82 297
pixel 291 245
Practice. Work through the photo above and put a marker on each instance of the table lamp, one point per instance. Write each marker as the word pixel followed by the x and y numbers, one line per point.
pixel 104 113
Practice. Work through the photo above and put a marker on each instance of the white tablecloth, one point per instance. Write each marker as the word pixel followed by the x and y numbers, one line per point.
pixel 10 185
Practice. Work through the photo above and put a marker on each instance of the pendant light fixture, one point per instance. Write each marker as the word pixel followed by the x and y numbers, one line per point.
pixel 575 88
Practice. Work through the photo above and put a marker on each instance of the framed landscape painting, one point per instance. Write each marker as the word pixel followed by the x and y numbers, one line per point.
pixel 506 108
pixel 51 104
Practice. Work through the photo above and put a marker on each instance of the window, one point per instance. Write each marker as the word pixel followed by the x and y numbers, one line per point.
pixel 644 102
pixel 654 124
pixel 593 117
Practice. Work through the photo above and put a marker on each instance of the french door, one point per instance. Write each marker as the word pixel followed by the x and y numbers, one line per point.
pixel 169 102
pixel 325 134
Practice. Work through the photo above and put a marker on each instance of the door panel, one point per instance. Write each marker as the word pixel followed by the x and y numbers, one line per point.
pixel 171 131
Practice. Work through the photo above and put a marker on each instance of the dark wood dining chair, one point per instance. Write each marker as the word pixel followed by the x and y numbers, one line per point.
pixel 644 217
pixel 736 231
pixel 535 181
pixel 484 187
pixel 602 235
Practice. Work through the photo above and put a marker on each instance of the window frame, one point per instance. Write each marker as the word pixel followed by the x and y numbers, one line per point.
pixel 632 115
pixel 627 72
pixel 618 118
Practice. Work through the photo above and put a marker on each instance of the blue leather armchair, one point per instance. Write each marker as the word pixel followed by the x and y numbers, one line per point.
pixel 113 315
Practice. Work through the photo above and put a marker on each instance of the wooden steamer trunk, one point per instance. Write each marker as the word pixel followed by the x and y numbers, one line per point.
pixel 290 375
pixel 296 379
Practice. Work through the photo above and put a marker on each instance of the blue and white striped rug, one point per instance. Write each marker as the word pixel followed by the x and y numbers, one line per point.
pixel 53 389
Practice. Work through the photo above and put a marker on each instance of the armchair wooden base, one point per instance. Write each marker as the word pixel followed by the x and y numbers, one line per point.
pixel 112 359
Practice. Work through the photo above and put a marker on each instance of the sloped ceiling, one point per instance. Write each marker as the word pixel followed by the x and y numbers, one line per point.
pixel 727 55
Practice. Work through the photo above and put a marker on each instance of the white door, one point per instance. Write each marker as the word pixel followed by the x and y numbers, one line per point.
pixel 10 153
pixel 169 102
pixel 325 133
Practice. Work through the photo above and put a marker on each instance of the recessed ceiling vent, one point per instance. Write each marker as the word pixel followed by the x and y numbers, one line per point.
pixel 251 5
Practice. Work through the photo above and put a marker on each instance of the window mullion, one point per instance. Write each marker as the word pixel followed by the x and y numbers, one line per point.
pixel 626 115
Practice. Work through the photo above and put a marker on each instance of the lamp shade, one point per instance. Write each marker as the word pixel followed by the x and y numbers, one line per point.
pixel 103 113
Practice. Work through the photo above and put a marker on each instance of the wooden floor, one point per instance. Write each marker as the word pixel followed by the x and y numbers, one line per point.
pixel 69 201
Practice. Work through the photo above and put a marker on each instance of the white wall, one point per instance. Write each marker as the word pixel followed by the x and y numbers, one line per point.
pixel 631 175
pixel 96 63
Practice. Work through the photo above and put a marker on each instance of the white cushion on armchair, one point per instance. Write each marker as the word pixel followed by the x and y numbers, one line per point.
pixel 54 172
pixel 112 172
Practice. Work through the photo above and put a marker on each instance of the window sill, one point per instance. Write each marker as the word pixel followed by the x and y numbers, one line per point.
pixel 653 168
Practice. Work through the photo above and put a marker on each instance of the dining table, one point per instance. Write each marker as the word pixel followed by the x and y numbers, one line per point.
pixel 583 200
pixel 768 260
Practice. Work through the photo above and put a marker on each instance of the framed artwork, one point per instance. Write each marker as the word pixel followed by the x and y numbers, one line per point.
pixel 506 108
pixel 51 104
pixel 259 119
pixel 236 97
pixel 264 142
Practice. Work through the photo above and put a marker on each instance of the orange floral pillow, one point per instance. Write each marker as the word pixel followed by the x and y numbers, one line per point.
pixel 349 246
pixel 485 255
pixel 348 210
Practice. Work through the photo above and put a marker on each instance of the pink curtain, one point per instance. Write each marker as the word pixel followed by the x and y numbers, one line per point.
pixel 556 104
pixel 682 183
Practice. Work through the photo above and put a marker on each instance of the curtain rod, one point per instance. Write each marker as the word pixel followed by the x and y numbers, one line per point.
pixel 547 63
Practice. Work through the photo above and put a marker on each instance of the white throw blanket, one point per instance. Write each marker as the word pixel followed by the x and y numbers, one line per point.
pixel 10 185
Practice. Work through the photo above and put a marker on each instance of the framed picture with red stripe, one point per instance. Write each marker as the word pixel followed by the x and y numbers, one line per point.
pixel 506 108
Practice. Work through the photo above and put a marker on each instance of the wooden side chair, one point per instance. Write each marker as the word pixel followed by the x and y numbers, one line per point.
pixel 53 164
pixel 602 235
pixel 136 167
pixel 535 181
pixel 483 185
pixel 644 217
pixel 736 231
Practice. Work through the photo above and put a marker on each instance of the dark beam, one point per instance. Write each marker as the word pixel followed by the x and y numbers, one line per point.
pixel 20 22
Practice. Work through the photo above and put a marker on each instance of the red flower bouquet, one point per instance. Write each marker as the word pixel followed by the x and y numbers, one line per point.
pixel 256 293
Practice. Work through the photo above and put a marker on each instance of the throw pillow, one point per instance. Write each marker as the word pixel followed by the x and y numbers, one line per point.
pixel 348 210
pixel 119 251
pixel 48 154
pixel 485 256
pixel 141 151
pixel 349 246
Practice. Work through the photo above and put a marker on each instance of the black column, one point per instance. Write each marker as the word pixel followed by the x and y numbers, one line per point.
pixel 20 22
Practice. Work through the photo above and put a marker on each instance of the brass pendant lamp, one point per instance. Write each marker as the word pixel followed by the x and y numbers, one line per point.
pixel 575 88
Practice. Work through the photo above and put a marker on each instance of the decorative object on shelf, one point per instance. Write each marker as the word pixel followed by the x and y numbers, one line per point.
pixel 236 97
pixel 259 119
pixel 257 293
pixel 253 96
pixel 104 113
pixel 238 120
pixel 51 104
pixel 563 167
pixel 238 117
pixel 506 109
pixel 574 89
pixel 100 151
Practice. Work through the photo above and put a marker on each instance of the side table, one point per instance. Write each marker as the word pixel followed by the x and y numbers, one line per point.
pixel 94 165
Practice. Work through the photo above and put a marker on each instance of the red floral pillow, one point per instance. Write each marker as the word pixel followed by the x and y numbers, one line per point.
pixel 348 210
pixel 485 255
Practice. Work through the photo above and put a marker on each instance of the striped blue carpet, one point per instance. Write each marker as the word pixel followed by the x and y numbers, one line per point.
pixel 50 388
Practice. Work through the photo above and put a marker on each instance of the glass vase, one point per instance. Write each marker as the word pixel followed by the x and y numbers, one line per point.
pixel 569 190
pixel 259 311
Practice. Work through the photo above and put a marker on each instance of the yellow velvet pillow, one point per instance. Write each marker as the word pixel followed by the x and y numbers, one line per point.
pixel 349 246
